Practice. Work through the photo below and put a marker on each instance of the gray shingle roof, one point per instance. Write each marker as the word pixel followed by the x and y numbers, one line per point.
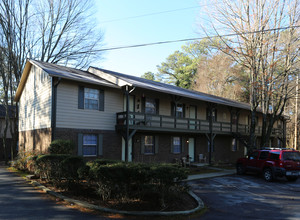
pixel 70 73
pixel 170 89
pixel 85 76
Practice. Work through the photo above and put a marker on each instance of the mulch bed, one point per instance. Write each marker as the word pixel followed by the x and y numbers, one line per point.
pixel 180 202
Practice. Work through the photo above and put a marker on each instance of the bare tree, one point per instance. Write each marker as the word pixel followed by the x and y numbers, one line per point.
pixel 266 43
pixel 56 31
pixel 219 75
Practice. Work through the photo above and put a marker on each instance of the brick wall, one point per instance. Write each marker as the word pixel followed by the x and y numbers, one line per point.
pixel 38 140
pixel 222 149
pixel 112 142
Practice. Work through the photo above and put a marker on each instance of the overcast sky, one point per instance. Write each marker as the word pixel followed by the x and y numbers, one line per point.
pixel 129 23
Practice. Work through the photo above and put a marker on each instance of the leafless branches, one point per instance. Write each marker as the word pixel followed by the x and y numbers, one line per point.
pixel 270 57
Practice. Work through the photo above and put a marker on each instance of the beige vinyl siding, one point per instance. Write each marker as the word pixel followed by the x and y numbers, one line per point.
pixel 223 114
pixel 35 101
pixel 69 116
pixel 243 118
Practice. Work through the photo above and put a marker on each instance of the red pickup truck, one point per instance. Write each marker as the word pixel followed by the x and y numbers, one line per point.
pixel 271 163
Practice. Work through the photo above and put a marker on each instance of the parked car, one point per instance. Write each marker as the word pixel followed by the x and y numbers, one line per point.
pixel 272 163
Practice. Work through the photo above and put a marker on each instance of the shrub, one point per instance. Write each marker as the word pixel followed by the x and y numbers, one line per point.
pixel 26 160
pixel 70 167
pixel 49 166
pixel 94 166
pixel 135 180
pixel 61 147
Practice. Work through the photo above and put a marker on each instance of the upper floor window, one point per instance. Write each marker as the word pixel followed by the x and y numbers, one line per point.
pixel 178 110
pixel 151 106
pixel 212 113
pixel 90 98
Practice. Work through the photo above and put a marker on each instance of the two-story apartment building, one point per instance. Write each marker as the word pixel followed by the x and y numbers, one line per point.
pixel 113 115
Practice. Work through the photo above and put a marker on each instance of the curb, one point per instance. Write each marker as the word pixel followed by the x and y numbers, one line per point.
pixel 137 213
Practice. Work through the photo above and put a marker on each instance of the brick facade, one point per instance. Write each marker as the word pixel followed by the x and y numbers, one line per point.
pixel 35 140
pixel 112 142
pixel 222 153
pixel 112 145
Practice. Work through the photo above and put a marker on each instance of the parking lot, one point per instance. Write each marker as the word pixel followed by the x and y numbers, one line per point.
pixel 248 197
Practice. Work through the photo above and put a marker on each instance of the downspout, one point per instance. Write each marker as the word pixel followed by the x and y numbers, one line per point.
pixel 54 105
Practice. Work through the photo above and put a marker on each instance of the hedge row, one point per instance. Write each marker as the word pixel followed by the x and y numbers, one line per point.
pixel 113 179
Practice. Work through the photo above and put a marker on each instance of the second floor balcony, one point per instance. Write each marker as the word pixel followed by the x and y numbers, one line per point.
pixel 161 123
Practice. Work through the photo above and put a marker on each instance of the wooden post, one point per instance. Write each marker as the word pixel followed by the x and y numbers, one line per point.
pixel 127 122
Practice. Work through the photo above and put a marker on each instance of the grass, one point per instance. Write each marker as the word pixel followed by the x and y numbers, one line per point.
pixel 201 170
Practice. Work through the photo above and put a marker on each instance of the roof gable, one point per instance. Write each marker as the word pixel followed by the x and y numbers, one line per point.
pixel 61 72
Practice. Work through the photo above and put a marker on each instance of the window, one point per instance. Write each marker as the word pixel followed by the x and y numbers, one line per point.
pixel 89 145
pixel 91 98
pixel 176 145
pixel 151 106
pixel 178 110
pixel 253 155
pixel 234 144
pixel 149 145
pixel 274 155
pixel 213 113
pixel 263 155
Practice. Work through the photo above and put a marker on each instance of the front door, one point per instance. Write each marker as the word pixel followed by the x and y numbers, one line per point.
pixel 192 149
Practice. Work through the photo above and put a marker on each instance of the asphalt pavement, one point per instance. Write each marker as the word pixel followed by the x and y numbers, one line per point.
pixel 248 197
pixel 19 200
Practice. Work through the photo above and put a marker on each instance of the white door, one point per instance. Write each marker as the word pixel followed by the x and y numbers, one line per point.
pixel 192 116
pixel 129 150
pixel 192 148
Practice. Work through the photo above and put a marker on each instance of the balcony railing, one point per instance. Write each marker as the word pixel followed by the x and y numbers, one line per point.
pixel 141 121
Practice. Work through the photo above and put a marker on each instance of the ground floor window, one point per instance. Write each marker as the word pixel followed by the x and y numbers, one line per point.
pixel 176 145
pixel 149 145
pixel 234 144
pixel 89 145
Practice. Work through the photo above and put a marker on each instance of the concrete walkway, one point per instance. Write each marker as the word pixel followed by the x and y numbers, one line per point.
pixel 222 172
pixel 19 200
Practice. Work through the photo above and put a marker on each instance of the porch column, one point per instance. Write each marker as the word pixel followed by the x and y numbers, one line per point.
pixel 211 136
pixel 127 122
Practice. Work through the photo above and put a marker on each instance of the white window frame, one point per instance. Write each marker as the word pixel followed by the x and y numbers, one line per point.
pixel 86 91
pixel 176 145
pixel 85 144
pixel 146 145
